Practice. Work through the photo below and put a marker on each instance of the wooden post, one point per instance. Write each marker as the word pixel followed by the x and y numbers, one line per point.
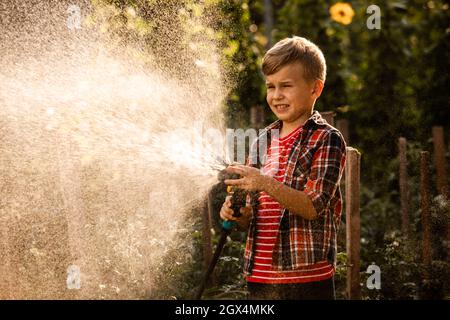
pixel 206 232
pixel 403 183
pixel 441 173
pixel 329 116
pixel 257 116
pixel 342 126
pixel 425 210
pixel 352 168
pixel 439 160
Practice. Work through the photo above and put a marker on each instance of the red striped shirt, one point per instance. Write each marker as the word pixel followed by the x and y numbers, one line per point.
pixel 267 225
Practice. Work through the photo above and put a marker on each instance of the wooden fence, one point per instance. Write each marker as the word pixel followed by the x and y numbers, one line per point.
pixel 351 188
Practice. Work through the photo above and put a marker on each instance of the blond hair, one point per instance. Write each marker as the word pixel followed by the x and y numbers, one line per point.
pixel 296 49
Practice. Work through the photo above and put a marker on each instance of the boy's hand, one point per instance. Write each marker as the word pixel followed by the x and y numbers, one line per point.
pixel 252 179
pixel 226 213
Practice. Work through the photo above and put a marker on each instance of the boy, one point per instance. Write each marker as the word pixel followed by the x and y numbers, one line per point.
pixel 291 244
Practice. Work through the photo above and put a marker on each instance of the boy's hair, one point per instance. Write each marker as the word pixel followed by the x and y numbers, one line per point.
pixel 296 49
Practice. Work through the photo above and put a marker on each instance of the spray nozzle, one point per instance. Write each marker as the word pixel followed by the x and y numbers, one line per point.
pixel 224 175
pixel 238 196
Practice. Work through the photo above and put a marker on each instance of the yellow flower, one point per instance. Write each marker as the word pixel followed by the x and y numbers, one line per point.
pixel 342 12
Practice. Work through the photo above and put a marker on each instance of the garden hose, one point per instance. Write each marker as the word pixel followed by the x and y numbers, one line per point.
pixel 238 200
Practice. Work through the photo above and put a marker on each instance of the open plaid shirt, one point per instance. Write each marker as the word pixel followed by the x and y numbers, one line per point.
pixel 315 166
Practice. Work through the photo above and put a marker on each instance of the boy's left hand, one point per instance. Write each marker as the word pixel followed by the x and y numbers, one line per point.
pixel 252 179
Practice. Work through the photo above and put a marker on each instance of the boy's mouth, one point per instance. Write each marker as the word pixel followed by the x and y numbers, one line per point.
pixel 281 107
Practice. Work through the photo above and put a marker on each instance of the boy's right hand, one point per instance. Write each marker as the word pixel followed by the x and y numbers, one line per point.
pixel 226 213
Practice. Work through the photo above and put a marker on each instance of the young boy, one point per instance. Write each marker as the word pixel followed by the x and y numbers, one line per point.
pixel 291 245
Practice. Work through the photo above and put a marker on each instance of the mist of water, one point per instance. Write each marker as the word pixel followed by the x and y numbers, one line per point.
pixel 102 155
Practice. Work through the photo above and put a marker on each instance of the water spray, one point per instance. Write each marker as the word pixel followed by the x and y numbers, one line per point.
pixel 101 145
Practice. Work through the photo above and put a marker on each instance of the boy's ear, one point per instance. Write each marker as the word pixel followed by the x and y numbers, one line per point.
pixel 318 87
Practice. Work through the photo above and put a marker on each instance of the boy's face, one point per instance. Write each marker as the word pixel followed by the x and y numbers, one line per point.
pixel 290 96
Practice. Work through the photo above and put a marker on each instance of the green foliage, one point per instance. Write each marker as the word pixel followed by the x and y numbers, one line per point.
pixel 399 269
pixel 400 257
pixel 243 50
pixel 230 283
pixel 340 277
pixel 180 280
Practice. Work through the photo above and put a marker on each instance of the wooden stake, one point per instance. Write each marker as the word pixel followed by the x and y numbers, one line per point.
pixel 441 173
pixel 352 176
pixel 425 210
pixel 206 232
pixel 257 116
pixel 403 182
pixel 439 160
pixel 329 116
pixel 342 126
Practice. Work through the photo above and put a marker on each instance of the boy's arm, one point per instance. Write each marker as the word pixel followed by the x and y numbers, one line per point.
pixel 326 170
pixel 296 201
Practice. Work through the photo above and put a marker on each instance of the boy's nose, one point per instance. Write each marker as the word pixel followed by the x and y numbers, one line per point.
pixel 277 94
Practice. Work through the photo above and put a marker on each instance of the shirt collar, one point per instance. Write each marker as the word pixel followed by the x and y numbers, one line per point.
pixel 315 118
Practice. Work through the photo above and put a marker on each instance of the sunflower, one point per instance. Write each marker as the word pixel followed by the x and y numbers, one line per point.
pixel 342 12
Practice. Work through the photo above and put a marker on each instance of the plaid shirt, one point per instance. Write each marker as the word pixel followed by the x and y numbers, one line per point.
pixel 315 166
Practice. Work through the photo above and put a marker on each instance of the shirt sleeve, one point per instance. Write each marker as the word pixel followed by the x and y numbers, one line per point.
pixel 326 171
